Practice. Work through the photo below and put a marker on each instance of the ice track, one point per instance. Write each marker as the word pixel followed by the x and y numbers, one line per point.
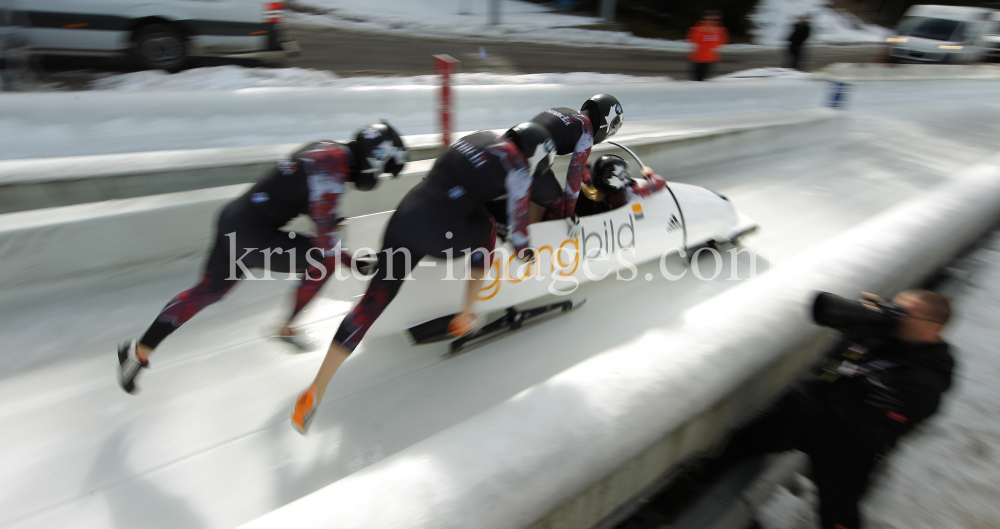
pixel 207 443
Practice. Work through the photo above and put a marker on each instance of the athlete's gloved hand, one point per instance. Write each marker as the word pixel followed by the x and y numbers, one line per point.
pixel 575 228
pixel 502 231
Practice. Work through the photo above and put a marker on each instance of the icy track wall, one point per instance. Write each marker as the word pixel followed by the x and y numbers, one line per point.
pixel 670 143
pixel 107 235
pixel 85 123
pixel 567 452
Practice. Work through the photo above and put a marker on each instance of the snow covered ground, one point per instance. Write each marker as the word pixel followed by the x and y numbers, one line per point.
pixel 238 77
pixel 766 73
pixel 773 21
pixel 520 22
pixel 945 474
pixel 528 22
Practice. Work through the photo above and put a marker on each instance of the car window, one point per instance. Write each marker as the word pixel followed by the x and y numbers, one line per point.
pixel 931 28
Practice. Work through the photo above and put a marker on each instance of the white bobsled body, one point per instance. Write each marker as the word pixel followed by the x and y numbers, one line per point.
pixel 611 244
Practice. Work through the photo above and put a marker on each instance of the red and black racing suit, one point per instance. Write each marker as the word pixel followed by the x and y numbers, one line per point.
pixel 444 216
pixel 572 132
pixel 312 181
pixel 643 187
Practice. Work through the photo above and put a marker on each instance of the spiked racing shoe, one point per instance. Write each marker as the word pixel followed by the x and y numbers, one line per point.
pixel 463 324
pixel 129 366
pixel 297 339
pixel 305 409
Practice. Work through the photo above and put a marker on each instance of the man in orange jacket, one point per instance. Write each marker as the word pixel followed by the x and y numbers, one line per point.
pixel 707 35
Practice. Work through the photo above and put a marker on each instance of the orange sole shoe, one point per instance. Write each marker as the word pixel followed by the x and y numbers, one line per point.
pixel 305 408
pixel 461 325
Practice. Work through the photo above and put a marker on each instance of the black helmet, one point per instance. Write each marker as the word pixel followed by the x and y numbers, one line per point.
pixel 606 116
pixel 610 174
pixel 535 144
pixel 377 149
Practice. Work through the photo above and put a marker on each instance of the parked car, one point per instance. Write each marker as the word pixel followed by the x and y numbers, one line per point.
pixel 941 34
pixel 157 34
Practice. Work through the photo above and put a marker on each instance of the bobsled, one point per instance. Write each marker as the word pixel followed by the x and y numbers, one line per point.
pixel 611 244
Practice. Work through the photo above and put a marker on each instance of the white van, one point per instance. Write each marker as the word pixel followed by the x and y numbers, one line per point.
pixel 157 33
pixel 941 34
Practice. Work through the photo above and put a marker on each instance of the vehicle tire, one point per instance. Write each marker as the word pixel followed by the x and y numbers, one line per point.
pixel 159 47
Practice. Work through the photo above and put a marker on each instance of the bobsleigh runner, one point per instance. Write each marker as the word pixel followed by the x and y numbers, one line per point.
pixel 680 216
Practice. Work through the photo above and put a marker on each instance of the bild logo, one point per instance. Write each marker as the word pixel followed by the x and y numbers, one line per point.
pixel 609 236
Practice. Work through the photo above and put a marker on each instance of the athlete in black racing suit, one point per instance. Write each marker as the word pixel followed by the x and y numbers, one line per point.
pixel 311 181
pixel 574 132
pixel 443 216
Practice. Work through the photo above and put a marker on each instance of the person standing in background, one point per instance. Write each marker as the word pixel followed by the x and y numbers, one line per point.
pixel 706 36
pixel 798 36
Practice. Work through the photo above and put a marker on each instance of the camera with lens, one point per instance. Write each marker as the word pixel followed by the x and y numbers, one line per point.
pixel 854 318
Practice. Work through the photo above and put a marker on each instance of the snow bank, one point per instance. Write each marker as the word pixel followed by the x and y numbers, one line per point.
pixel 765 73
pixel 505 32
pixel 237 77
pixel 519 21
pixel 527 22
pixel 774 19
pixel 216 78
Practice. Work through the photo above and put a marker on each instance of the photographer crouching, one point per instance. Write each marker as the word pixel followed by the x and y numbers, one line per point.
pixel 885 376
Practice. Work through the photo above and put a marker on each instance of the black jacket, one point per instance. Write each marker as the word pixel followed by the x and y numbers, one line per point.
pixel 800 33
pixel 874 397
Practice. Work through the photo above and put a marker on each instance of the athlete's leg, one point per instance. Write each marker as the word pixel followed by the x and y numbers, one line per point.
pixel 214 284
pixel 288 254
pixel 472 288
pixel 394 264
pixel 464 322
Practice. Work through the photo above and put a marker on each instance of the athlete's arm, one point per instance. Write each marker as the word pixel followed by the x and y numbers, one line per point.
pixel 326 176
pixel 327 172
pixel 652 184
pixel 518 186
pixel 577 167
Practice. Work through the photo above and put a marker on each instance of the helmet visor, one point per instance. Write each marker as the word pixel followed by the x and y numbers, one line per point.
pixel 615 120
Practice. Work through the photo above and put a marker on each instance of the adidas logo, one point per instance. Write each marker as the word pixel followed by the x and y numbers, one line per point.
pixel 674 224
